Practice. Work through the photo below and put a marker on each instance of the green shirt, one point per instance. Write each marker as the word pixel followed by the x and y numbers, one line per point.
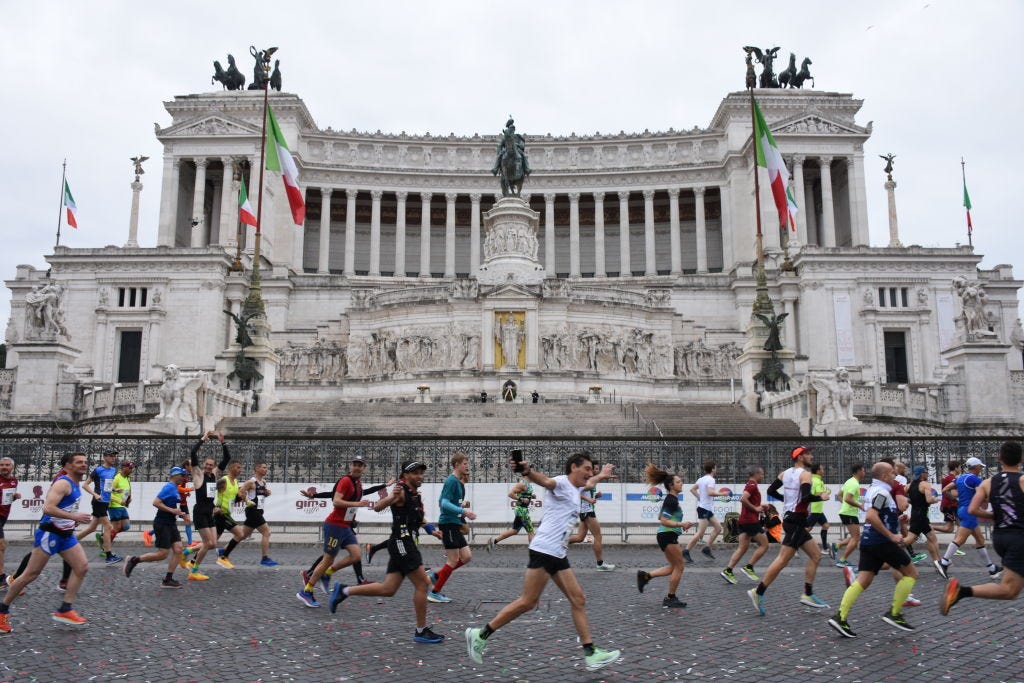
pixel 817 488
pixel 227 497
pixel 122 490
pixel 852 486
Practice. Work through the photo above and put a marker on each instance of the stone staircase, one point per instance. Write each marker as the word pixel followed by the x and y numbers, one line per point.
pixel 336 419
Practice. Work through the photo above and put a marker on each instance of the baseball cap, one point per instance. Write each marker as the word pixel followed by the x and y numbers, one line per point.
pixel 798 451
pixel 177 470
pixel 111 451
pixel 359 458
pixel 413 466
pixel 128 463
pixel 919 470
pixel 973 462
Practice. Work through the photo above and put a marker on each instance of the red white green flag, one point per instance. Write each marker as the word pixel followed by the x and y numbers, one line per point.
pixel 245 213
pixel 967 205
pixel 792 208
pixel 768 156
pixel 279 158
pixel 69 204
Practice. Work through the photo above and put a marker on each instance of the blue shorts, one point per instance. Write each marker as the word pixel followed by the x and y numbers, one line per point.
pixel 338 537
pixel 117 514
pixel 967 521
pixel 53 544
pixel 704 513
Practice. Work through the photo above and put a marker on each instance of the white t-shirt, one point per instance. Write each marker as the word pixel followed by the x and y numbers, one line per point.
pixel 902 480
pixel 703 497
pixel 561 510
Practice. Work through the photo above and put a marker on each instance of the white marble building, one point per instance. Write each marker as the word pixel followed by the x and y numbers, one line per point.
pixel 643 245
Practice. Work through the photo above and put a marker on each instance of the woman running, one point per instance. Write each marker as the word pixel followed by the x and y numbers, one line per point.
pixel 672 525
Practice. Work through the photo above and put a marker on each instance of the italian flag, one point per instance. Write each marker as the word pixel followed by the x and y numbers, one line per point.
pixel 245 213
pixel 69 204
pixel 967 205
pixel 768 156
pixel 791 208
pixel 279 158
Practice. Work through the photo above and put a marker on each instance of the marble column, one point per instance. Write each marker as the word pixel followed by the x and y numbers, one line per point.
pixel 856 183
pixel 227 233
pixel 599 268
pixel 199 206
pixel 625 270
pixel 549 234
pixel 702 231
pixel 350 232
pixel 474 233
pixel 801 198
pixel 650 263
pixel 449 234
pixel 425 198
pixel 810 214
pixel 894 228
pixel 574 234
pixel 400 198
pixel 169 202
pixel 324 255
pixel 133 217
pixel 728 248
pixel 828 216
pixel 675 240
pixel 375 197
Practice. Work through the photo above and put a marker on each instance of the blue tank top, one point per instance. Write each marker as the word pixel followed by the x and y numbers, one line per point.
pixel 966 484
pixel 68 503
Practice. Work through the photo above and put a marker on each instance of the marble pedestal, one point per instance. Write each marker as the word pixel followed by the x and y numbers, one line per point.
pixel 981 381
pixel 40 388
pixel 510 244
pixel 266 359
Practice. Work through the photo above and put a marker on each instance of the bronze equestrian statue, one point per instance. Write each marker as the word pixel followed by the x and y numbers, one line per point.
pixel 765 58
pixel 511 163
pixel 786 77
pixel 231 78
pixel 803 75
pixel 275 77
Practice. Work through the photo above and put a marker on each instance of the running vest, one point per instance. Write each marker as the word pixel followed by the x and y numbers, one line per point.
pixel 68 503
pixel 524 498
pixel 226 497
pixel 586 505
pixel 206 494
pixel 791 491
pixel 407 518
pixel 1007 501
pixel 345 516
pixel 918 502
pixel 257 495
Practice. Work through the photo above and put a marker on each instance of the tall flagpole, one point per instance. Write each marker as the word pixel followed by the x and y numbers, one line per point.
pixel 963 175
pixel 60 204
pixel 254 302
pixel 762 304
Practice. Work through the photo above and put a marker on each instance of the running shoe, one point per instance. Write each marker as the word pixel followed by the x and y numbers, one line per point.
pixel 307 599
pixel 267 562
pixel 475 645
pixel 196 576
pixel 897 620
pixel 849 576
pixel 370 552
pixel 102 554
pixel 911 601
pixel 840 625
pixel 941 569
pixel 99 539
pixel 950 596
pixel 147 538
pixel 917 557
pixel 69 618
pixel 113 559
pixel 728 576
pixel 842 563
pixel 195 545
pixel 129 565
pixel 749 571
pixel 813 600
pixel 427 636
pixel 490 545
pixel 825 551
pixel 996 573
pixel 672 601
pixel 960 553
pixel 686 555
pixel 601 658
pixel 706 551
pixel 758 601
pixel 170 583
pixel 833 550
pixel 225 562
pixel 5 624
pixel 642 579
pixel 337 597
pixel 605 567
pixel 183 561
pixel 434 596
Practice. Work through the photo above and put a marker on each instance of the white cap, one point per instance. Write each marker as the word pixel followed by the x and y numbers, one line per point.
pixel 973 462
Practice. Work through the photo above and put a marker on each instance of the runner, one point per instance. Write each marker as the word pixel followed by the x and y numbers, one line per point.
pixel 751 527
pixel 99 486
pixel 704 489
pixel 948 505
pixel 184 491
pixel 672 524
pixel 921 498
pixel 204 482
pixel 523 496
pixel 797 496
pixel 166 536
pixel 880 545
pixel 964 487
pixel 1005 492
pixel 406 562
pixel 255 492
pixel 548 558
pixel 120 499
pixel 453 506
pixel 589 524
pixel 817 510
pixel 56 535
pixel 227 495
pixel 8 494
pixel 849 515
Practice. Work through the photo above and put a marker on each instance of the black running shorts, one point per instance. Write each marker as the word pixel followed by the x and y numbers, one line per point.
pixel 1009 543
pixel 202 519
pixel 404 556
pixel 165 535
pixel 549 563
pixel 874 557
pixel 794 531
pixel 452 537
pixel 667 538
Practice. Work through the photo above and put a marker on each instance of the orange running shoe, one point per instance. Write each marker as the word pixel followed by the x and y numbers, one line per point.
pixel 5 623
pixel 71 618
pixel 196 576
pixel 147 538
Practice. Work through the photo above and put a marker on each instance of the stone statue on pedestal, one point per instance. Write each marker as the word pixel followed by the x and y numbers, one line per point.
pixel 46 316
pixel 510 334
pixel 972 298
pixel 835 398
pixel 765 58
pixel 511 163
pixel 231 78
pixel 888 164
pixel 178 399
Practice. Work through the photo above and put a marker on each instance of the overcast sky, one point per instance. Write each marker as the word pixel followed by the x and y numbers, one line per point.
pixel 86 81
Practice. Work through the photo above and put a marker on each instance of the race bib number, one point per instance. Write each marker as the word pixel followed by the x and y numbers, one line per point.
pixel 211 489
pixel 8 497
pixel 108 485
pixel 350 514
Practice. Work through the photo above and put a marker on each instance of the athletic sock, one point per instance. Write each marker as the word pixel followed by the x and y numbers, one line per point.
pixel 188 534
pixel 169 576
pixel 749 566
pixel 966 592
pixel 950 552
pixel 329 571
pixel 65 572
pixel 983 551
pixel 761 588
pixel 442 577
pixel 22 565
pixel 460 563
pixel 824 539
pixel 850 597
pixel 4 608
pixel 65 607
pixel 316 563
pixel 308 588
pixel 588 649
pixel 485 632
pixel 232 544
pixel 600 562
pixel 808 589
pixel 899 595
pixel 357 567
pixel 344 591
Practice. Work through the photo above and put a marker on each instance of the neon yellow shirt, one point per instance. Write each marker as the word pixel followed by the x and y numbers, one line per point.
pixel 122 490
pixel 226 497
pixel 852 486
pixel 817 488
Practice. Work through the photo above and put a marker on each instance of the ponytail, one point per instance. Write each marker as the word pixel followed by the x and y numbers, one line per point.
pixel 655 476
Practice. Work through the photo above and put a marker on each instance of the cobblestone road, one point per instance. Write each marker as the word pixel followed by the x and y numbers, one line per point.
pixel 246 625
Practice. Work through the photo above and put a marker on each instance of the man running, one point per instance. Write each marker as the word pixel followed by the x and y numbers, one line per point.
pixel 948 505
pixel 880 545
pixel 204 481
pixel 751 528
pixel 796 485
pixel 227 495
pixel 99 486
pixel 8 494
pixel 816 516
pixel 964 486
pixel 849 515
pixel 452 503
pixel 921 498
pixel 255 492
pixel 405 560
pixel 590 524
pixel 166 536
pixel 1005 492
pixel 522 496
pixel 548 558
pixel 120 499
pixel 704 489
pixel 56 536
